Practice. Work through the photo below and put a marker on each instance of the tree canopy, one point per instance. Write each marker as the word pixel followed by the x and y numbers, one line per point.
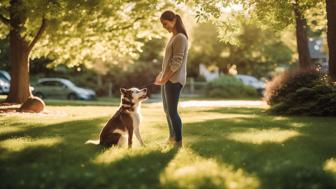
pixel 81 32
pixel 73 33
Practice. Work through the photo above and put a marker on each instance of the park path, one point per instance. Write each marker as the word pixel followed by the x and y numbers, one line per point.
pixel 222 103
pixel 157 101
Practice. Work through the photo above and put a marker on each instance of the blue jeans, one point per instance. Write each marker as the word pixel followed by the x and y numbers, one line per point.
pixel 170 96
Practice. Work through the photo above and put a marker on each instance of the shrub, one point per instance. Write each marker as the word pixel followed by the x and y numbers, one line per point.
pixel 289 81
pixel 301 92
pixel 229 87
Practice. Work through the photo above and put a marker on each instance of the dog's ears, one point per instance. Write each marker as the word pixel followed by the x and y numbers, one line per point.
pixel 123 90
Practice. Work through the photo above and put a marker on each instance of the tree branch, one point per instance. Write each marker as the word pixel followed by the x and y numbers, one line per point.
pixel 4 20
pixel 38 34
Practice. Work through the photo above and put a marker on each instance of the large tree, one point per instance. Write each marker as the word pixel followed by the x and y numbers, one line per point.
pixel 331 32
pixel 275 13
pixel 73 32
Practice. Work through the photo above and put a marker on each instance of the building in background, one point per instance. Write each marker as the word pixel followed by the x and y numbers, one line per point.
pixel 209 73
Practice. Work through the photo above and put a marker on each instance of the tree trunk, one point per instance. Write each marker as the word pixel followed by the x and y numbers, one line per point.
pixel 19 53
pixel 331 33
pixel 302 39
pixel 19 85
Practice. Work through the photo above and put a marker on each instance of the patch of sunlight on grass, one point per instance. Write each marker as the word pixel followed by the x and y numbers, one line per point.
pixel 330 166
pixel 85 111
pixel 58 114
pixel 21 143
pixel 192 118
pixel 189 170
pixel 36 115
pixel 280 118
pixel 117 153
pixel 4 130
pixel 297 125
pixel 257 136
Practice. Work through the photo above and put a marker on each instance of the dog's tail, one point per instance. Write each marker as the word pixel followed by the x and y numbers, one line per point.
pixel 95 142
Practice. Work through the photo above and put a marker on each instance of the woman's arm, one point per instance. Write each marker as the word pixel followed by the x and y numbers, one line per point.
pixel 179 48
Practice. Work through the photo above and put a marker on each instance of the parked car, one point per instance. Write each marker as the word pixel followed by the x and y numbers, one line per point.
pixel 4 86
pixel 4 82
pixel 5 76
pixel 253 82
pixel 61 88
pixel 5 79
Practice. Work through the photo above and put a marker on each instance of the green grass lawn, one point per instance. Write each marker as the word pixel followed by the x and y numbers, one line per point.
pixel 225 147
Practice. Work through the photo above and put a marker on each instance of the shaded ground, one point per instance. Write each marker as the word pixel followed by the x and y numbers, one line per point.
pixel 225 147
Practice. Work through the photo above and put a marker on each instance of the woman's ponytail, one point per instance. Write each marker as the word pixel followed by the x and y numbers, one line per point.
pixel 180 26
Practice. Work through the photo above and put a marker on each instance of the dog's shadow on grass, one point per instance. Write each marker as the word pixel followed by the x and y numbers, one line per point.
pixel 69 163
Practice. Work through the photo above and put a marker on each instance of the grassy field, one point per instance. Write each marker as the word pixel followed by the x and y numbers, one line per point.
pixel 225 147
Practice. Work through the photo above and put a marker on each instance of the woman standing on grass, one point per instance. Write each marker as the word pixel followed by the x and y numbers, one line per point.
pixel 172 78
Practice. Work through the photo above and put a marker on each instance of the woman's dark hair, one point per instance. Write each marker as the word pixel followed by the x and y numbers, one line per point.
pixel 170 15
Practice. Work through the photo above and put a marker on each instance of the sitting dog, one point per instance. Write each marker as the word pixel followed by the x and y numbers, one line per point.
pixel 125 121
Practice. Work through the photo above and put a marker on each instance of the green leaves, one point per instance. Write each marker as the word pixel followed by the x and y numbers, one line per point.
pixel 260 49
pixel 228 15
pixel 82 32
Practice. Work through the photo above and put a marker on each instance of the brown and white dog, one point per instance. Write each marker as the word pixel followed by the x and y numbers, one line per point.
pixel 125 121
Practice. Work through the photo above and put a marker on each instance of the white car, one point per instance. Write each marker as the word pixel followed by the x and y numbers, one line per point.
pixel 5 79
pixel 61 88
pixel 5 76
pixel 253 82
pixel 4 86
pixel 4 82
